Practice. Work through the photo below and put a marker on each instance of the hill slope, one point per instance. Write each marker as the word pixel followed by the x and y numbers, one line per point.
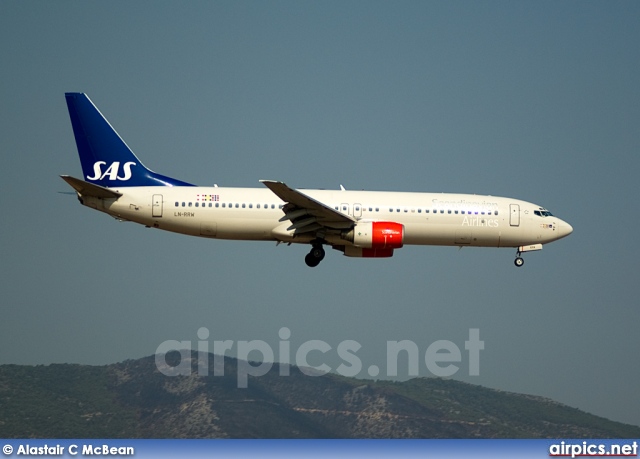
pixel 133 399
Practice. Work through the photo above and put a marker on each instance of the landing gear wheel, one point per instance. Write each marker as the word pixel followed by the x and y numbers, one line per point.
pixel 317 252
pixel 314 257
pixel 519 261
pixel 311 261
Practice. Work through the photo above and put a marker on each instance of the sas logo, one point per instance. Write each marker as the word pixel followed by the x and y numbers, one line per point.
pixel 112 172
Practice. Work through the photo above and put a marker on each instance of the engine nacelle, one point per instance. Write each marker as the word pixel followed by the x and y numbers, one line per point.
pixel 376 235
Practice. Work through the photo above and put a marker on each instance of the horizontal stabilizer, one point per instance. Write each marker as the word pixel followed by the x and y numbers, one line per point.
pixel 89 189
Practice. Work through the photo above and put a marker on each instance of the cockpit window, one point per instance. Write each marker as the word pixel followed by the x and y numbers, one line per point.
pixel 543 213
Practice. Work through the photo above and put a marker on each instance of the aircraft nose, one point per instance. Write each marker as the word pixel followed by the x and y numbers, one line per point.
pixel 564 229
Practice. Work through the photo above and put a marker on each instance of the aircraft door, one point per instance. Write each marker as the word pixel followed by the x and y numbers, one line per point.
pixel 357 210
pixel 156 205
pixel 514 217
pixel 345 208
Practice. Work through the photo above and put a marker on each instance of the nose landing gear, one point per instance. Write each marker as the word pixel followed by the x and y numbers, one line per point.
pixel 519 261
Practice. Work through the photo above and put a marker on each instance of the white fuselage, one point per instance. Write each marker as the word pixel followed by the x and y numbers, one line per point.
pixel 256 214
pixel 365 224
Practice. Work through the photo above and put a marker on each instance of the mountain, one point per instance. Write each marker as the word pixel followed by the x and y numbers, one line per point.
pixel 133 399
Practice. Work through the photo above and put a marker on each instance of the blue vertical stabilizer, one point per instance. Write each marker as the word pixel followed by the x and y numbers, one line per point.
pixel 106 159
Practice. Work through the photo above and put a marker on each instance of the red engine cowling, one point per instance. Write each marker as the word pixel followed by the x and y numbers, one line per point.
pixel 377 235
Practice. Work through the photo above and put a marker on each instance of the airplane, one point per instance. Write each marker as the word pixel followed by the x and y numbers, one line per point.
pixel 365 224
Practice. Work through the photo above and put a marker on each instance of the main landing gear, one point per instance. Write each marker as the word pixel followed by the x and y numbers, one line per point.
pixel 316 255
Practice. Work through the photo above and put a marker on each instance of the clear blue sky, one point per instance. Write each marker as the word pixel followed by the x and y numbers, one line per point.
pixel 533 100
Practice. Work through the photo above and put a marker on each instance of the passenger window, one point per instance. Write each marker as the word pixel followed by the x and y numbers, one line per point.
pixel 495 213
pixel 419 211
pixel 390 209
pixel 190 204
pixel 449 211
pixel 217 204
pixel 243 206
pixel 237 205
pixel 441 211
pixel 377 209
pixel 177 204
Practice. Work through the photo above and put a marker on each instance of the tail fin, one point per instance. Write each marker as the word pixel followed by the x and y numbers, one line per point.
pixel 106 159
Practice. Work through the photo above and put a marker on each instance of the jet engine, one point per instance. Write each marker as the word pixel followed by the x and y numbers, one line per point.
pixel 374 239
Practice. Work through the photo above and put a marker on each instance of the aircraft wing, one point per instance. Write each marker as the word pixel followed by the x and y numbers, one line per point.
pixel 305 213
pixel 89 189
